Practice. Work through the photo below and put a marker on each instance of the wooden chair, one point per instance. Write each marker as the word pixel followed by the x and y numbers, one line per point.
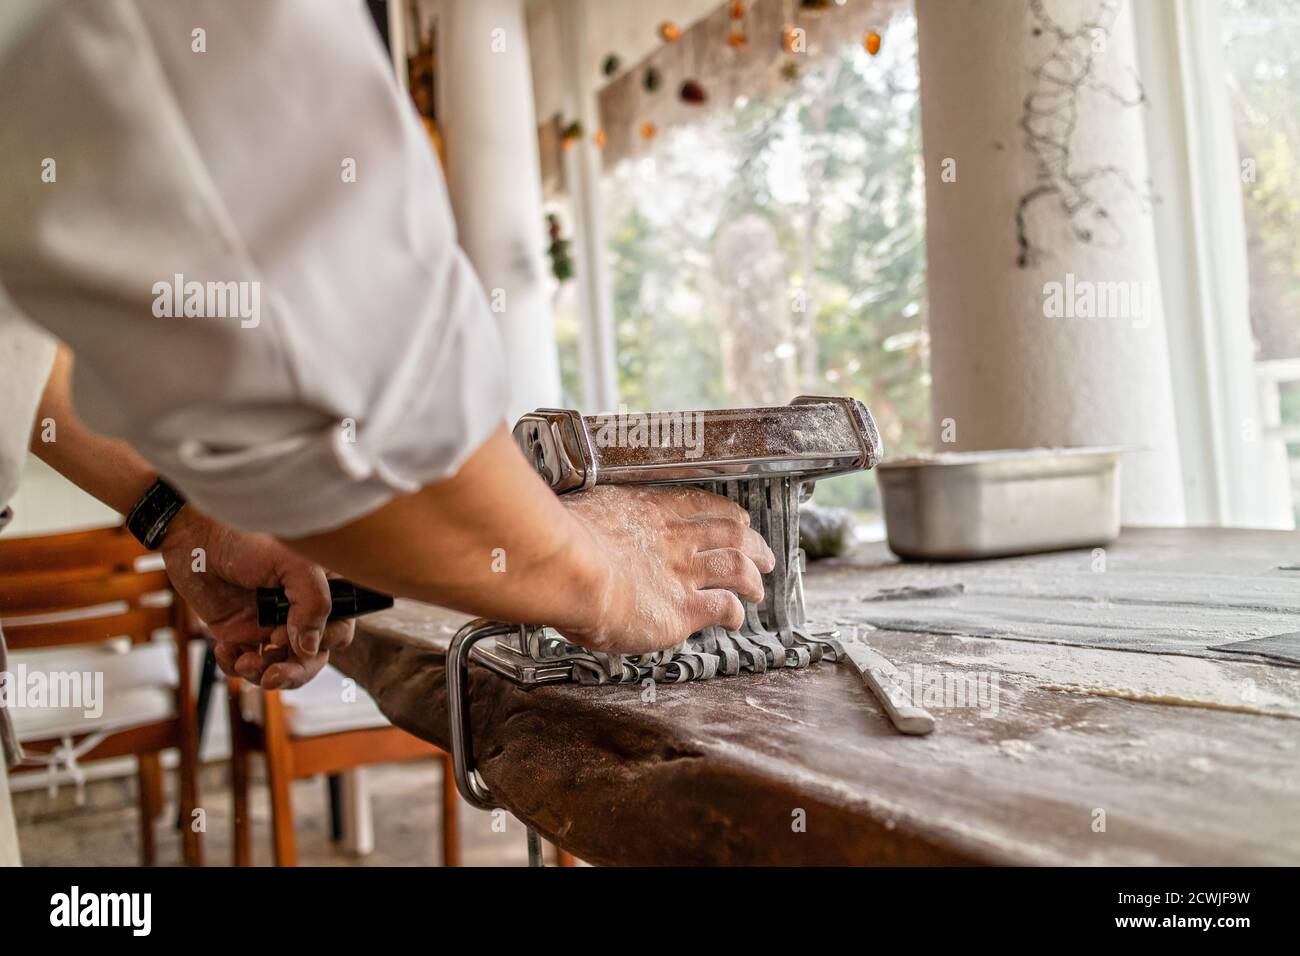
pixel 301 739
pixel 83 588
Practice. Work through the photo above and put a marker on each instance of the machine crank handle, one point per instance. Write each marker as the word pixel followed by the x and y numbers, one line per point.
pixel 346 600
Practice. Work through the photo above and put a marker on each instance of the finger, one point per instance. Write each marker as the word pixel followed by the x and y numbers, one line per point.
pixel 241 628
pixel 253 662
pixel 308 592
pixel 338 634
pixel 709 533
pixel 294 672
pixel 695 502
pixel 226 655
pixel 728 568
pixel 716 607
pixel 249 665
pixel 759 551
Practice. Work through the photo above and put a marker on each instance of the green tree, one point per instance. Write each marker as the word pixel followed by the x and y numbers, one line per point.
pixel 832 162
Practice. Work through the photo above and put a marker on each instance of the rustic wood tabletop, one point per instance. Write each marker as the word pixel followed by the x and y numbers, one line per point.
pixel 1087 713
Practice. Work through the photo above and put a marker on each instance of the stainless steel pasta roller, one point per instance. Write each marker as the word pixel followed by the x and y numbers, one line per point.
pixel 765 459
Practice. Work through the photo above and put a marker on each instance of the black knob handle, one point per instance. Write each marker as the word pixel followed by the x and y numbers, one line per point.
pixel 346 600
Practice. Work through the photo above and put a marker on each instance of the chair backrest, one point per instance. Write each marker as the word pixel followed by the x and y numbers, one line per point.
pixel 81 587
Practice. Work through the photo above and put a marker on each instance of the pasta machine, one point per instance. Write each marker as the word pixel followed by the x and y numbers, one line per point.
pixel 764 459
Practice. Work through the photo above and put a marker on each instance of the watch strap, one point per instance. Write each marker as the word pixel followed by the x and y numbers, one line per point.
pixel 152 514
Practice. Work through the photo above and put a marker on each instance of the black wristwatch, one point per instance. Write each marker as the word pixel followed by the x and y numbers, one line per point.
pixel 152 514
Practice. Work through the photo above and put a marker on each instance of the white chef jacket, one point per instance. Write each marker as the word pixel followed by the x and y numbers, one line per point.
pixel 26 355
pixel 260 147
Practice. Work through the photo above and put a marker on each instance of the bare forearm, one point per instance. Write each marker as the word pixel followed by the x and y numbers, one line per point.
pixel 492 540
pixel 105 468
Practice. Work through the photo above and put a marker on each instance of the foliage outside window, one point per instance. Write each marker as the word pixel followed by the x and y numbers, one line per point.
pixel 778 248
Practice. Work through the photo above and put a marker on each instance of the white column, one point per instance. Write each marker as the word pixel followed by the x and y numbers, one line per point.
pixel 1007 374
pixel 583 168
pixel 494 178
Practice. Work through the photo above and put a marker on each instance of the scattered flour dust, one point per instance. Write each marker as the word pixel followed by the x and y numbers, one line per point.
pixel 753 702
pixel 1168 679
pixel 1017 749
pixel 1173 700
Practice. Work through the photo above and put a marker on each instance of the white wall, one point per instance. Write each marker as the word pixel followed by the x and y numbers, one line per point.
pixel 47 503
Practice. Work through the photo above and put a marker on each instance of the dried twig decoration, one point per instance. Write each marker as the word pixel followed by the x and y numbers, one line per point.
pixel 1051 113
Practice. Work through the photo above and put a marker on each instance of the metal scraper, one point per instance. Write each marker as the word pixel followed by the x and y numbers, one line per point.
pixel 882 677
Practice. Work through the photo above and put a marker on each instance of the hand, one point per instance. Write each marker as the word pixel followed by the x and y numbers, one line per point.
pixel 674 557
pixel 235 563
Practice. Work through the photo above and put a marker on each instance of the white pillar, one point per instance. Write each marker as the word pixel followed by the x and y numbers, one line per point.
pixel 494 178
pixel 1004 372
pixel 582 170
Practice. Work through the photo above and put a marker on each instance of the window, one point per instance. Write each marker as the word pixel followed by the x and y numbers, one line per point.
pixel 1262 56
pixel 778 248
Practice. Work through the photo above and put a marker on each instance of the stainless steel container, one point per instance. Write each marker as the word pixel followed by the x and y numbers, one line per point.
pixel 964 505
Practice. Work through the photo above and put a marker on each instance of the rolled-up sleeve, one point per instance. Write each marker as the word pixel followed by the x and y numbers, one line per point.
pixel 231 214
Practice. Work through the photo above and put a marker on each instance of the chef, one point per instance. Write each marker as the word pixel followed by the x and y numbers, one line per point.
pixel 331 394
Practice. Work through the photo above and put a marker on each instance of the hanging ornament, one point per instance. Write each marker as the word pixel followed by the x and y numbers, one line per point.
pixel 571 134
pixel 669 32
pixel 652 80
pixel 692 92
pixel 871 42
pixel 649 131
pixel 736 38
pixel 599 139
pixel 610 65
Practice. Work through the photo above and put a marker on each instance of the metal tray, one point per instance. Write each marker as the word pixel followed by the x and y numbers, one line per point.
pixel 964 505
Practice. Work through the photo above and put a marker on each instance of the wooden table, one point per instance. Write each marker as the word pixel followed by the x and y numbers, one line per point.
pixel 1121 734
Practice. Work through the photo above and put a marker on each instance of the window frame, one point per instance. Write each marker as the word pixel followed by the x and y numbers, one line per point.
pixel 1234 459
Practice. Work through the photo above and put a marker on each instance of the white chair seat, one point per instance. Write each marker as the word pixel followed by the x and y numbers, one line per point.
pixel 137 688
pixel 325 705
pixel 134 708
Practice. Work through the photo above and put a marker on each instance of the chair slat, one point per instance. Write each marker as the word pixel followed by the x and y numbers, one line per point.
pixel 54 591
pixel 102 548
pixel 145 738
pixel 137 625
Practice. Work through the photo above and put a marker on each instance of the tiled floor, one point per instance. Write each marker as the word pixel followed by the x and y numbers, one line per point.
pixel 406 807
